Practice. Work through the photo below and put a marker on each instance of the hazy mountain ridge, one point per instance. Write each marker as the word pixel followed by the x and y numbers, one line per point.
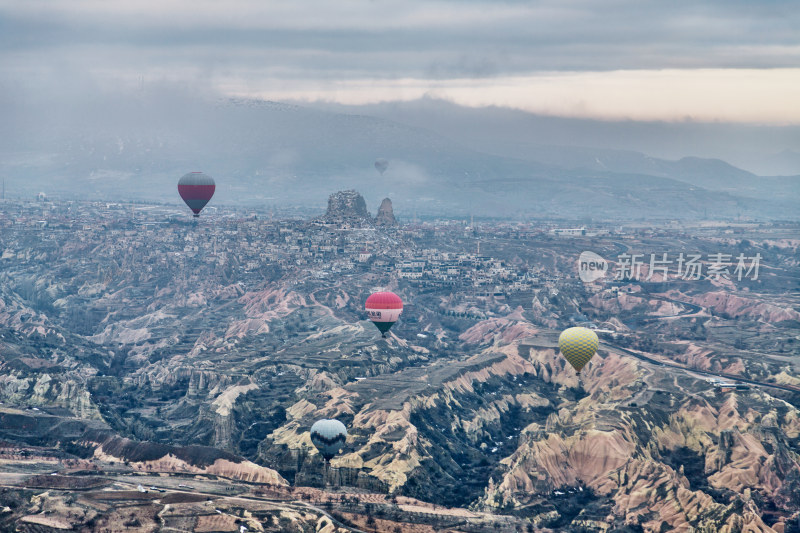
pixel 262 153
pixel 768 150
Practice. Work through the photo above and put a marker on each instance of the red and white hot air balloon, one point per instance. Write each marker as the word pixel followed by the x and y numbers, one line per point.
pixel 196 189
pixel 384 308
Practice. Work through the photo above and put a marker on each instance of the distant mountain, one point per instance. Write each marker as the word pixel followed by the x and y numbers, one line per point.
pixel 783 163
pixel 264 153
pixel 766 150
pixel 711 174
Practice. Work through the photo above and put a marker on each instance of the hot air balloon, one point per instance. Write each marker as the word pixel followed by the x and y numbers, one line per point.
pixel 328 436
pixel 578 345
pixel 381 165
pixel 196 189
pixel 384 308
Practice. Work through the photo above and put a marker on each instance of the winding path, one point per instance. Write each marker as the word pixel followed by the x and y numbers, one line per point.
pixel 732 377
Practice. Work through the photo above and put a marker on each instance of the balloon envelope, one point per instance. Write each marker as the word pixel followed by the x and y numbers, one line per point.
pixel 578 345
pixel 384 308
pixel 196 189
pixel 381 165
pixel 328 436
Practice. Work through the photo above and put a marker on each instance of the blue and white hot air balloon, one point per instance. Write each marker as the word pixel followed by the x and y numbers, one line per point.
pixel 328 436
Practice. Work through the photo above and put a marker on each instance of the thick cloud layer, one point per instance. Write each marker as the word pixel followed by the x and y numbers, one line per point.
pixel 379 50
pixel 412 38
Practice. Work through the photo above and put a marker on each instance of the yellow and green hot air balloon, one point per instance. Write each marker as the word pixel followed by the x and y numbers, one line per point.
pixel 578 345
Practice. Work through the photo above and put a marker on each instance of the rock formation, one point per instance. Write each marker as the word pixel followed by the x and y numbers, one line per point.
pixel 385 215
pixel 148 456
pixel 346 205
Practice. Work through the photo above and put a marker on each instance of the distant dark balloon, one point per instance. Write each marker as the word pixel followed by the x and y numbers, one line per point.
pixel 328 436
pixel 196 189
pixel 384 308
pixel 381 165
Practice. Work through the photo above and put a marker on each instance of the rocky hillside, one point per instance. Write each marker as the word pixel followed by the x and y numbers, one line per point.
pixel 203 365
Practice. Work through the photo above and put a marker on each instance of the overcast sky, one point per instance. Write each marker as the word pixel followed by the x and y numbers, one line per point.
pixel 724 60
